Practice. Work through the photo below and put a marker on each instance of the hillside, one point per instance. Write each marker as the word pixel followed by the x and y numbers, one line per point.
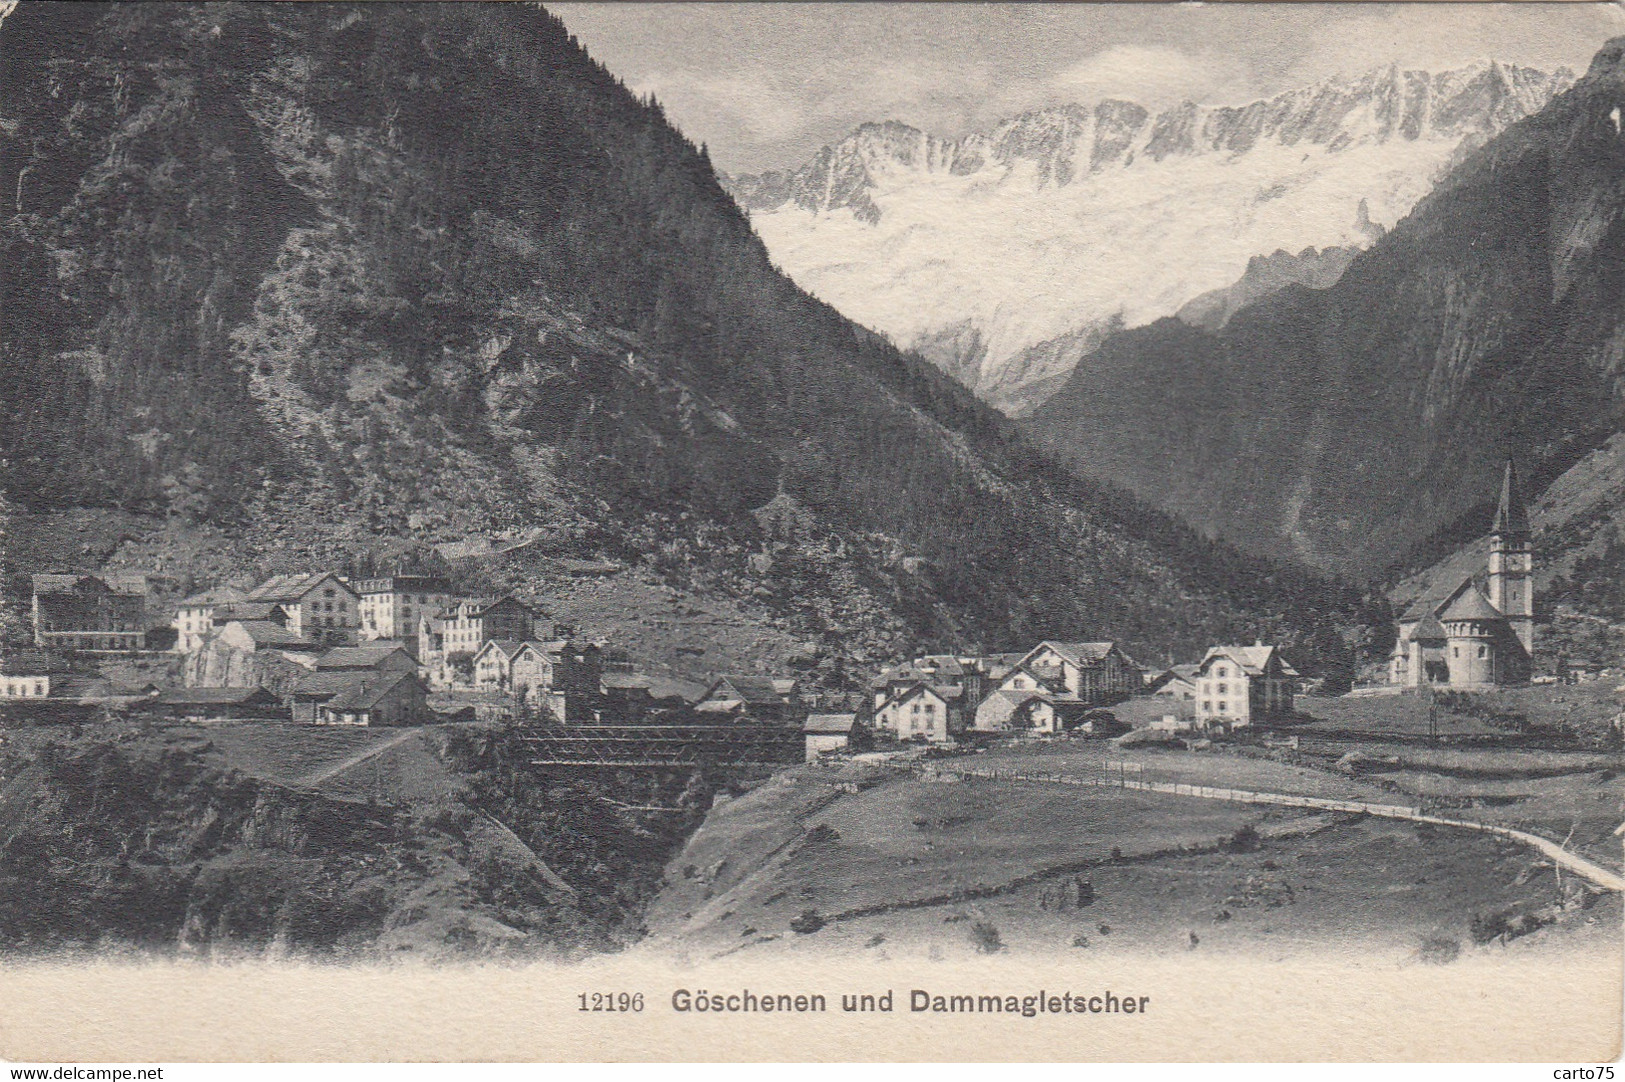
pixel 1006 255
pixel 329 283
pixel 1347 425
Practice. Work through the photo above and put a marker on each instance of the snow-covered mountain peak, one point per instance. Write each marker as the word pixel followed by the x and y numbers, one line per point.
pixel 1004 254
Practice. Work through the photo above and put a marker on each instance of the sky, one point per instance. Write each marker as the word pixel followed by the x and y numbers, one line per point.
pixel 765 85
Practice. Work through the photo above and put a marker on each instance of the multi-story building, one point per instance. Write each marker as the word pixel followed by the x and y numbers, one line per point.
pixel 320 606
pixel 472 622
pixel 91 613
pixel 194 616
pixel 1238 685
pixel 391 607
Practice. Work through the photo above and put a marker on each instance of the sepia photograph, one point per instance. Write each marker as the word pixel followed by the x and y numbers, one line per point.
pixel 1042 531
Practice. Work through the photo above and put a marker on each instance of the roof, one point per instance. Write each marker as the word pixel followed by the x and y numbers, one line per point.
pixel 1511 517
pixel 388 584
pixel 247 610
pixel 220 595
pixel 1471 605
pixel 322 685
pixel 506 647
pixel 899 674
pixel 945 692
pixel 750 689
pixel 1427 629
pixel 265 633
pixel 478 606
pixel 1079 653
pixel 33 663
pixel 674 688
pixel 1252 659
pixel 626 681
pixel 294 587
pixel 943 664
pixel 829 723
pixel 365 656
pixel 214 696
pixel 118 582
pixel 367 691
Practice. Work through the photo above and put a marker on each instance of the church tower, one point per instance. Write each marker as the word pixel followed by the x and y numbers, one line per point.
pixel 1512 587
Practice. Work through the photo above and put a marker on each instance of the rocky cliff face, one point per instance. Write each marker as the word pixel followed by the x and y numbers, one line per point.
pixel 1107 213
pixel 1348 424
pixel 305 279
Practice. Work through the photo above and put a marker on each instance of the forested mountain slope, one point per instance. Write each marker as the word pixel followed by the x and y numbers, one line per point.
pixel 309 278
pixel 1347 425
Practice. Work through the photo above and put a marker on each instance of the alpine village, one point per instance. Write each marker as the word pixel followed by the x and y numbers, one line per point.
pixel 433 525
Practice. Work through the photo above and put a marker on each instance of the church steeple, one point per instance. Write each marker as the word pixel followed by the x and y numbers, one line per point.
pixel 1511 518
pixel 1512 586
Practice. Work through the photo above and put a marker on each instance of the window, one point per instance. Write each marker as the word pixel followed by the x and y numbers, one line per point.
pixel 1223 671
pixel 1207 707
pixel 1455 651
pixel 1481 652
pixel 39 687
pixel 1223 688
pixel 1223 706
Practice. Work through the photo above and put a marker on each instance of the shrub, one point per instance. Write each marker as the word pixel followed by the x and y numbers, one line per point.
pixel 986 938
pixel 1439 951
pixel 808 923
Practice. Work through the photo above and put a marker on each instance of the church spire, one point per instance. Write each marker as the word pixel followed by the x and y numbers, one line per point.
pixel 1510 516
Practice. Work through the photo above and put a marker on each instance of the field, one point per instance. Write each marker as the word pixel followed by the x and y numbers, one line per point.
pixel 882 863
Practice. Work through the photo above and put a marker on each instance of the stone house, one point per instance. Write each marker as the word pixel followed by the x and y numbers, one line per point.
pixel 320 606
pixel 391 607
pixel 195 616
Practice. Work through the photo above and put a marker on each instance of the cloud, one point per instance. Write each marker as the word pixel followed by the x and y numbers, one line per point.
pixel 1154 76
pixel 1437 37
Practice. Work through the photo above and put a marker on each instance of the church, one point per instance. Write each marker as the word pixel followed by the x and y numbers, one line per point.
pixel 1468 638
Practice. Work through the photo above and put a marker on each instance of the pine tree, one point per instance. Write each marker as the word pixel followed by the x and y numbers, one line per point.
pixel 14 630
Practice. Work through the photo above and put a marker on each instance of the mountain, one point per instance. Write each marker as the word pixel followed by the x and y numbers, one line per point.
pixel 295 285
pixel 1345 426
pixel 1007 255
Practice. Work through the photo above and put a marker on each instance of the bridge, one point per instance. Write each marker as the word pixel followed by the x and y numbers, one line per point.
pixel 655 746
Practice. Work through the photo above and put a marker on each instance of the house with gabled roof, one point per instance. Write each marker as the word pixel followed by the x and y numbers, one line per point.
pixel 826 733
pixel 924 711
pixel 377 655
pixel 1240 685
pixel 320 606
pixel 208 704
pixel 377 698
pixel 1091 672
pixel 761 697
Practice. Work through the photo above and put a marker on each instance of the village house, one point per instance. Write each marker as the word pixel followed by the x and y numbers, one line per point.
pixel 1089 672
pixel 377 699
pixel 314 690
pixel 828 733
pixel 1177 684
pixel 1018 710
pixel 194 616
pixel 1240 685
pixel 472 622
pixel 377 656
pixel 759 697
pixel 392 607
pixel 493 664
pixel 213 704
pixel 31 674
pixel 1468 639
pixel 90 613
pixel 932 712
pixel 320 606
pixel 265 636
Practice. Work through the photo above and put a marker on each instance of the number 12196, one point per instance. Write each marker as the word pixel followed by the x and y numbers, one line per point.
pixel 622 1002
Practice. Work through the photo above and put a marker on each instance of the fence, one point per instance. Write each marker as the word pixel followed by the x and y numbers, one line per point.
pixel 1579 865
